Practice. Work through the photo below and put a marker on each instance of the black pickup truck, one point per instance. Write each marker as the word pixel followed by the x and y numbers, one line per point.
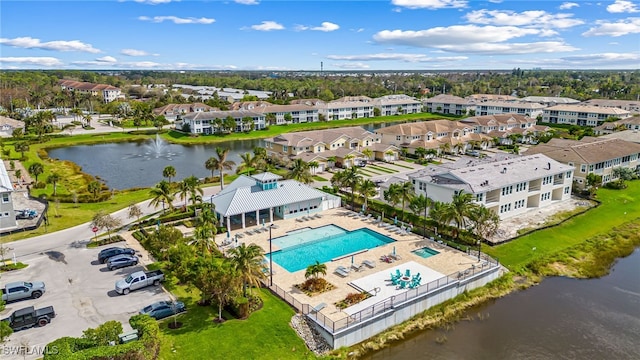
pixel 29 317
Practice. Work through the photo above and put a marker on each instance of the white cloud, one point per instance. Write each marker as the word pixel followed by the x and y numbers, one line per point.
pixel 533 18
pixel 410 58
pixel 623 6
pixel 134 52
pixel 38 61
pixel 247 2
pixel 326 27
pixel 59 45
pixel 615 29
pixel 154 2
pixel 352 66
pixel 568 5
pixel 459 34
pixel 106 59
pixel 430 4
pixel 268 26
pixel 510 48
pixel 177 20
pixel 495 1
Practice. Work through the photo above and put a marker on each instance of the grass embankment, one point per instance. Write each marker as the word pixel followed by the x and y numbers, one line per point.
pixel 266 334
pixel 583 247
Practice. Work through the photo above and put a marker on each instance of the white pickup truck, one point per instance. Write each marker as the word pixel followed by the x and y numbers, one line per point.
pixel 138 280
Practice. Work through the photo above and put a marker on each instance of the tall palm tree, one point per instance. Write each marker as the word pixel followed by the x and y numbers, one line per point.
pixel 392 195
pixel 203 239
pixel 54 178
pixel 195 190
pixel 439 213
pixel 248 262
pixel 459 210
pixel 406 193
pixel 161 193
pixel 420 204
pixel 353 178
pixel 368 153
pixel 300 172
pixel 221 164
pixel 313 166
pixel 248 164
pixel 367 189
pixel 36 169
pixel 169 172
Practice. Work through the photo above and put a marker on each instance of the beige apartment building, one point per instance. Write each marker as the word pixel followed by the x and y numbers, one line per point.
pixel 591 155
pixel 582 115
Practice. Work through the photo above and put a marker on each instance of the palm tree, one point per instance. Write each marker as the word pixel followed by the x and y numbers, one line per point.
pixel 249 163
pixel 392 195
pixel 315 269
pixel 420 204
pixel 313 166
pixel 203 239
pixel 406 193
pixel 36 169
pixel 247 261
pixel 300 172
pixel 459 209
pixel 195 191
pixel 183 192
pixel 161 193
pixel 221 164
pixel 367 189
pixel 54 178
pixel 169 172
pixel 420 152
pixel 368 153
pixel 352 179
pixel 21 147
pixel 94 188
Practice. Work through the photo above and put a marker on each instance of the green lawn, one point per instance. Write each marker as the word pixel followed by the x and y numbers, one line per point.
pixel 266 334
pixel 618 207
pixel 383 169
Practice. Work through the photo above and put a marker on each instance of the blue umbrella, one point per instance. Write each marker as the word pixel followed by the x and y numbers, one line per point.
pixel 394 250
pixel 395 220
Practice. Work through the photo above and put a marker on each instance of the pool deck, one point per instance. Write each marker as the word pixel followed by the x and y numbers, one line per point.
pixel 448 261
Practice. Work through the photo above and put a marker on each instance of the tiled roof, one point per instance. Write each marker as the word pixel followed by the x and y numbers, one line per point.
pixel 503 119
pixel 588 150
pixel 424 127
pixel 447 99
pixel 589 109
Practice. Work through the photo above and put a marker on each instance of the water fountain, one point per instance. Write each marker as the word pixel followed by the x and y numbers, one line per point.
pixel 158 148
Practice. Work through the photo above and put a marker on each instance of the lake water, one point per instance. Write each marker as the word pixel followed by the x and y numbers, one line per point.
pixel 561 318
pixel 136 164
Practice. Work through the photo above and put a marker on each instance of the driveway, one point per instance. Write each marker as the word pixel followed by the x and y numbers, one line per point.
pixel 81 291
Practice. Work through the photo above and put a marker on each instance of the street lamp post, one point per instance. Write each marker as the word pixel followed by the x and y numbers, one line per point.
pixel 270 259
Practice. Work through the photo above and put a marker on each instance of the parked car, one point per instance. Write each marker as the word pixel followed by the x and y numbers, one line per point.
pixel 138 280
pixel 474 153
pixel 162 309
pixel 29 317
pixel 113 251
pixel 26 214
pixel 122 260
pixel 22 290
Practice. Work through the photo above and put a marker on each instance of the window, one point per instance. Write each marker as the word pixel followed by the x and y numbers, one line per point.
pixel 583 168
pixel 285 148
pixel 507 190
pixel 5 198
pixel 545 196
pixel 568 174
pixel 398 138
pixel 518 204
pixel 547 180
pixel 479 197
pixel 567 189
pixel 521 187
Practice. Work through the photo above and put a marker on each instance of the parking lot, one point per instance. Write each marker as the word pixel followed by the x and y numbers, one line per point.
pixel 81 291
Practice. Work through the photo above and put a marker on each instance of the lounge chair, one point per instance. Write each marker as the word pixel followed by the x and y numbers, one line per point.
pixel 356 267
pixel 318 307
pixel 240 235
pixel 342 271
pixel 274 226
pixel 299 219
pixel 369 263
pixel 318 216
pixel 249 232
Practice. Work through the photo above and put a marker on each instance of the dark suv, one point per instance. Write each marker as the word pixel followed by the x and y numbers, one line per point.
pixel 110 252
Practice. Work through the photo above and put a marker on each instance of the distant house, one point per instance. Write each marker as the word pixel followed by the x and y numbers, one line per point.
pixel 441 135
pixel 265 198
pixel 345 109
pixel 107 93
pixel 172 111
pixel 508 185
pixel 7 213
pixel 213 122
pixel 397 105
pixel 582 115
pixel 504 125
pixel 448 104
pixel 509 107
pixel 347 145
pixel 549 100
pixel 8 125
pixel 629 105
pixel 591 155
pixel 490 97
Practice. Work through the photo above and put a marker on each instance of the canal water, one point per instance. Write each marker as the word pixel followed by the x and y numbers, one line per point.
pixel 561 318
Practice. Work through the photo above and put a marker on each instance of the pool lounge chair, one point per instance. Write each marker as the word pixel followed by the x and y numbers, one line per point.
pixel 369 263
pixel 356 267
pixel 318 307
pixel 342 271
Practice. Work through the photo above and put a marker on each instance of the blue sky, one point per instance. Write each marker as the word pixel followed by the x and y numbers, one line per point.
pixel 299 35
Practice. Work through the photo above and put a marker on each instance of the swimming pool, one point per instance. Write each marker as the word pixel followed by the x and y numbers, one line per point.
pixel 425 252
pixel 304 247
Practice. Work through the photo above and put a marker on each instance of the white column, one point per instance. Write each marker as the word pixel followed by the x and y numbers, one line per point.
pixel 243 223
pixel 258 217
pixel 270 215
pixel 228 223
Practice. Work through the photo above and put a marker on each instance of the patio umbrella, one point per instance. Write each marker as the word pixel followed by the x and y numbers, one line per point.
pixel 394 250
pixel 262 222
pixel 228 233
pixel 352 259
